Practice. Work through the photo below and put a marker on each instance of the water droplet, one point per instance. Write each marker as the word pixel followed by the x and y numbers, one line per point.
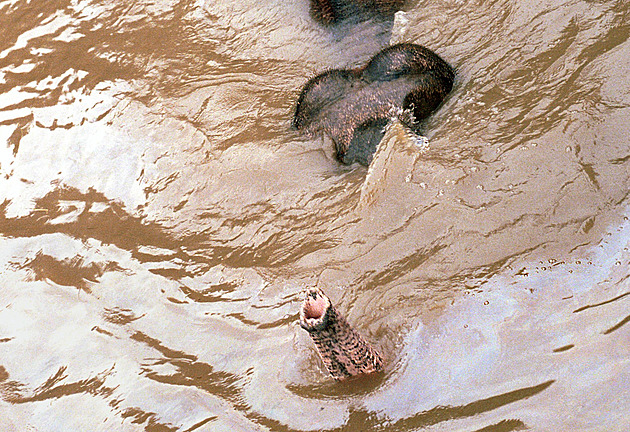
pixel 422 142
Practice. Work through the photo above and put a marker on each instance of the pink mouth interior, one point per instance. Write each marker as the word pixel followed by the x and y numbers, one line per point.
pixel 315 309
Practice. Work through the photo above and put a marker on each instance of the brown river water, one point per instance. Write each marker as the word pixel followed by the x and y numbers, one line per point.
pixel 159 220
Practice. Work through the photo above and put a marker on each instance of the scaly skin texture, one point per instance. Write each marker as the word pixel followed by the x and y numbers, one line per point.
pixel 353 106
pixel 333 11
pixel 344 351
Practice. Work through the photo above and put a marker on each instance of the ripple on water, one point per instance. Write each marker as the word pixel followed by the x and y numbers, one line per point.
pixel 158 219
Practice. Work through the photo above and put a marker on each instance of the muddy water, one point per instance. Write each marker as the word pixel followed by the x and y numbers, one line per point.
pixel 159 219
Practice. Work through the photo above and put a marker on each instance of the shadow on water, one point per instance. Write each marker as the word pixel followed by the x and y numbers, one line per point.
pixel 73 272
pixel 351 387
pixel 91 215
pixel 53 388
pixel 100 39
pixel 368 421
pixel 87 216
pixel 504 426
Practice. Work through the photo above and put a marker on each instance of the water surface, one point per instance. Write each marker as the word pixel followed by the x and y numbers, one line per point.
pixel 159 220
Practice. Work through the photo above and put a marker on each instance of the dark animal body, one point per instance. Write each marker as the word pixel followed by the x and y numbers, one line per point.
pixel 333 11
pixel 344 351
pixel 353 106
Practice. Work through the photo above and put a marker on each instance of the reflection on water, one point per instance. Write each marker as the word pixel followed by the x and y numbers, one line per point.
pixel 158 219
